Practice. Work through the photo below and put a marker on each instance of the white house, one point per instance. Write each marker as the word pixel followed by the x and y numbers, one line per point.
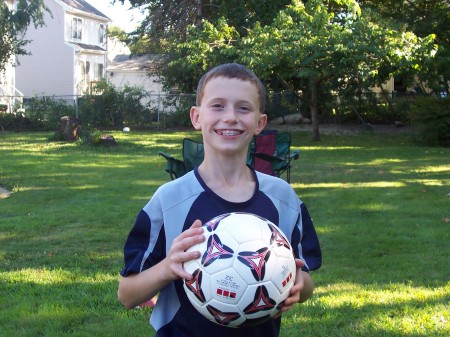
pixel 125 69
pixel 133 71
pixel 68 55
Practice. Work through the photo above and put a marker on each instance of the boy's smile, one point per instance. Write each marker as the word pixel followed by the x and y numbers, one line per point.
pixel 228 132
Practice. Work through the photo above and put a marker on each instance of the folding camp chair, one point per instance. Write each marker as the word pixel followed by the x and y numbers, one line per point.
pixel 268 152
pixel 271 153
pixel 192 153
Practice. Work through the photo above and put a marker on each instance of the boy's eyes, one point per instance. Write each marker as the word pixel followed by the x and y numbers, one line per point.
pixel 242 108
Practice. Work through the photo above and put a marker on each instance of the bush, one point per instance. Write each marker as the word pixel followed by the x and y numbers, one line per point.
pixel 370 107
pixel 431 115
pixel 177 113
pixel 13 121
pixel 115 108
pixel 280 104
pixel 112 108
pixel 44 113
pixel 40 113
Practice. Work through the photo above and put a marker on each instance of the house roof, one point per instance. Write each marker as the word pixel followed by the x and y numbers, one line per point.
pixel 88 46
pixel 85 7
pixel 125 62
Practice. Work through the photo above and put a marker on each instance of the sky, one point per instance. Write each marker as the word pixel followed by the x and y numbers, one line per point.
pixel 119 14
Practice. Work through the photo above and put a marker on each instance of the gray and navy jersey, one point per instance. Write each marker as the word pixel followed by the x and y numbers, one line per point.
pixel 174 207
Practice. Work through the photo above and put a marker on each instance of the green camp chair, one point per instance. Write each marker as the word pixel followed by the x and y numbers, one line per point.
pixel 192 153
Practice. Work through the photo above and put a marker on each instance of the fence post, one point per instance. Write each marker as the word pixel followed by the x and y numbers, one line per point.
pixel 157 109
pixel 76 106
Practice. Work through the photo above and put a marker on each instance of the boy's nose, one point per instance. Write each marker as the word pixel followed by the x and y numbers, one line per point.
pixel 230 114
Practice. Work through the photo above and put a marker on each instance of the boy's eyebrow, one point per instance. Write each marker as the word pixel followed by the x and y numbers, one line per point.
pixel 238 102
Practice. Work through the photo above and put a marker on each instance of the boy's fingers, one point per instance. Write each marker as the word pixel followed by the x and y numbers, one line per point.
pixel 197 223
pixel 195 229
pixel 299 263
pixel 190 233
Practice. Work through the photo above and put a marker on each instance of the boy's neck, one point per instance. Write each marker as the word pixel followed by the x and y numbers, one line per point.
pixel 230 182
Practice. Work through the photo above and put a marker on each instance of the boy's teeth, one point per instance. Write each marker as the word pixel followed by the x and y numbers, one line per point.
pixel 229 133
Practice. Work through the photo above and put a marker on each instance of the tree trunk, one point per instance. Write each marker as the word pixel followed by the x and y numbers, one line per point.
pixel 315 109
pixel 199 13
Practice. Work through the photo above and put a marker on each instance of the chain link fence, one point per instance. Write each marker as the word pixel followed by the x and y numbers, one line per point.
pixel 135 108
pixel 116 109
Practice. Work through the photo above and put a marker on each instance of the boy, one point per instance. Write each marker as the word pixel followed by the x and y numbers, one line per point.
pixel 229 111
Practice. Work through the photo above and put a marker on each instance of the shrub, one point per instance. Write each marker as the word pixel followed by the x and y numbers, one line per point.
pixel 44 113
pixel 280 104
pixel 40 113
pixel 115 108
pixel 177 109
pixel 431 115
pixel 370 107
pixel 13 121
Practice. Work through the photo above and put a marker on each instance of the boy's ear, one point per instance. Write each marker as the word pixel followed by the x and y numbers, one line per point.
pixel 262 122
pixel 195 118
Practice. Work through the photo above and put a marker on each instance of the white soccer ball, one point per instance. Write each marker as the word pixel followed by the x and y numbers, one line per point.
pixel 126 129
pixel 245 271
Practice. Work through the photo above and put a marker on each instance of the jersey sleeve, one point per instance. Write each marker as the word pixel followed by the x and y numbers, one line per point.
pixel 145 246
pixel 311 251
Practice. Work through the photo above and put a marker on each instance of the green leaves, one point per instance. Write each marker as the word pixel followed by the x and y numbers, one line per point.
pixel 203 47
pixel 14 23
pixel 332 44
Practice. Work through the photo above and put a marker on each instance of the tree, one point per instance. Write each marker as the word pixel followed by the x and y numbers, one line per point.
pixel 136 46
pixel 13 25
pixel 169 21
pixel 330 43
pixel 212 45
pixel 308 47
pixel 423 17
pixel 171 25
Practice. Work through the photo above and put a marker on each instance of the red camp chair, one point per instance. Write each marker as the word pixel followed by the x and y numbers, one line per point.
pixel 270 152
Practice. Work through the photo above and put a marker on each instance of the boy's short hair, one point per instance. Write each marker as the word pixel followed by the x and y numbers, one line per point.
pixel 232 70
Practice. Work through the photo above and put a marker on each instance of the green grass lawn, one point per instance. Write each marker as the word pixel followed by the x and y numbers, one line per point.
pixel 381 206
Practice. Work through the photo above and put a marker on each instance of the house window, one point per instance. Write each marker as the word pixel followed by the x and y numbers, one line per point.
pixel 76 28
pixel 98 70
pixel 88 70
pixel 101 33
pixel 83 71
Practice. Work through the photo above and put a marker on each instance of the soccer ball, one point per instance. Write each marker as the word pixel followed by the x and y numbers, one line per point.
pixel 245 271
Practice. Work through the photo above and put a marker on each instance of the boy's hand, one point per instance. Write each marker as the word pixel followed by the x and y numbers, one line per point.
pixel 294 294
pixel 177 254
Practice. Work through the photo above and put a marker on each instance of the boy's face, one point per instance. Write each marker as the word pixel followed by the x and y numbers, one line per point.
pixel 229 114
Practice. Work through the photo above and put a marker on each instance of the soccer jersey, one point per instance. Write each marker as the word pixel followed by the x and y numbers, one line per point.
pixel 174 207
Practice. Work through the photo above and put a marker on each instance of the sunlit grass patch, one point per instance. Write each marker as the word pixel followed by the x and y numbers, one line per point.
pixel 45 276
pixel 374 310
pixel 356 185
